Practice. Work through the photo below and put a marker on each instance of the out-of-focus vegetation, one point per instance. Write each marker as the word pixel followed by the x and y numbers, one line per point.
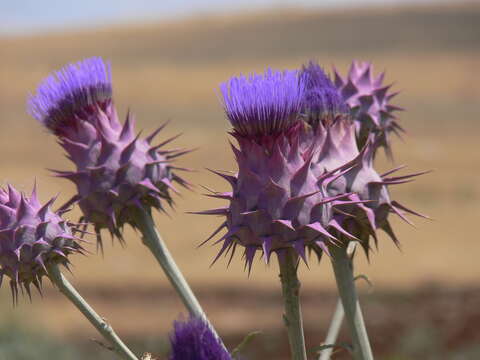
pixel 21 343
pixel 430 323
pixel 27 342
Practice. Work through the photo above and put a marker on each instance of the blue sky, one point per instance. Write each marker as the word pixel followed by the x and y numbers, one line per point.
pixel 30 16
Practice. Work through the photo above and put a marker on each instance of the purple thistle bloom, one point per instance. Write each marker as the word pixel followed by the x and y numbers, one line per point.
pixel 263 104
pixel 279 199
pixel 116 170
pixel 194 340
pixel 74 89
pixel 322 100
pixel 370 105
pixel 31 237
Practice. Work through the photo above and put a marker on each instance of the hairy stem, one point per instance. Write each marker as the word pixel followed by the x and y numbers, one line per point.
pixel 100 324
pixel 291 297
pixel 342 267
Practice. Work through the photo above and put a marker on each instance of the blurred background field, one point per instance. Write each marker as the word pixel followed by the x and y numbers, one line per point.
pixel 426 299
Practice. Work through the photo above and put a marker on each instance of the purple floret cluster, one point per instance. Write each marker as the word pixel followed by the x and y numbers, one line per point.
pixel 321 98
pixel 76 88
pixel 194 340
pixel 261 104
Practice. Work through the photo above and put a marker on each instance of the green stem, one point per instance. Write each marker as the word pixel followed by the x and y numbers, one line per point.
pixel 152 239
pixel 338 315
pixel 100 324
pixel 333 331
pixel 342 267
pixel 291 297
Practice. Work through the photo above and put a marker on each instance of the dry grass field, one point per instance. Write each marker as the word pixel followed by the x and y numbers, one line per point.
pixel 172 71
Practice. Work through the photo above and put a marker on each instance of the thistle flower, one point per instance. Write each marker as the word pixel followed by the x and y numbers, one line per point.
pixel 278 200
pixel 370 105
pixel 116 170
pixel 32 236
pixel 195 340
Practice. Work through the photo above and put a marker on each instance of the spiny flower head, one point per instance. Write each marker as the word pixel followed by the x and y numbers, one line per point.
pixel 304 185
pixel 195 340
pixel 31 237
pixel 362 200
pixel 278 201
pixel 363 204
pixel 370 105
pixel 322 99
pixel 262 104
pixel 117 171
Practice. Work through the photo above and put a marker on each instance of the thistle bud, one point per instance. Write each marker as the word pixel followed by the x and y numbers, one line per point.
pixel 32 236
pixel 369 101
pixel 363 201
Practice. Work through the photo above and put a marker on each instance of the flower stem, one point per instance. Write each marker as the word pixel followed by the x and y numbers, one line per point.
pixel 291 296
pixel 333 331
pixel 342 267
pixel 155 243
pixel 100 324
pixel 338 316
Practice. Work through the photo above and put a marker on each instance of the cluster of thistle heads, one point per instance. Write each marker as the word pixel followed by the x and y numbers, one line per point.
pixel 306 178
pixel 306 148
pixel 116 171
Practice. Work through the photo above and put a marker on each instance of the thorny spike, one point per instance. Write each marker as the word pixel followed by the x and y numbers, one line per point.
pixel 267 248
pixel 163 143
pixel 403 217
pixel 155 133
pixel 392 171
pixel 225 245
pixel 400 206
pixel 321 230
pixel 336 225
pixel 404 177
pixel 224 224
pixel 249 257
